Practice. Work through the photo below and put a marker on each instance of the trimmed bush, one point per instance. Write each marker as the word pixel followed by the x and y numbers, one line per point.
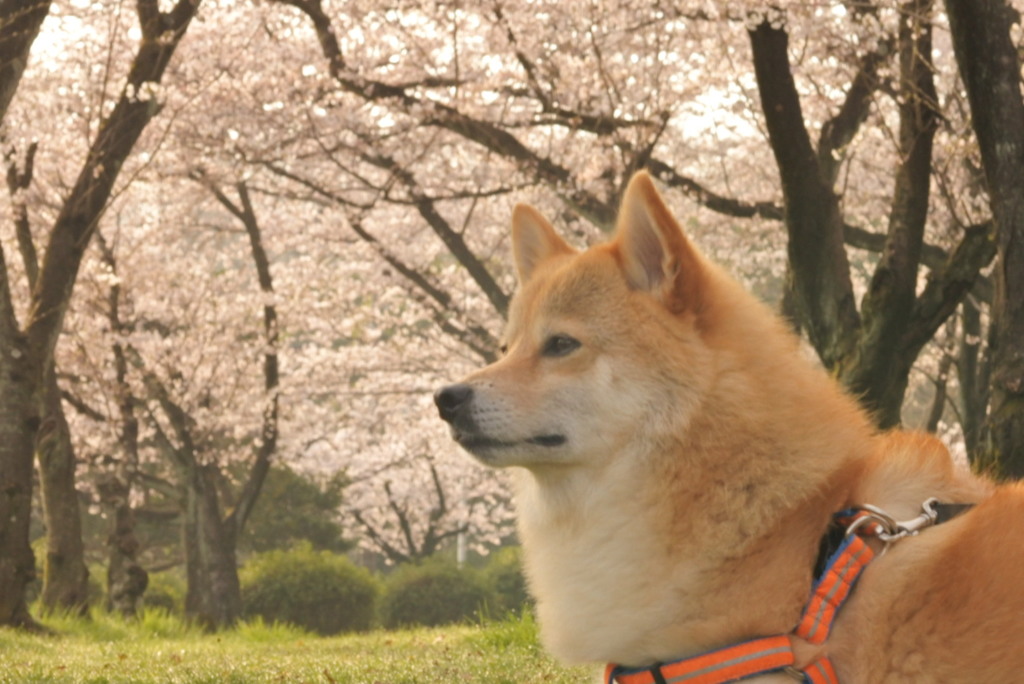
pixel 504 573
pixel 317 590
pixel 434 593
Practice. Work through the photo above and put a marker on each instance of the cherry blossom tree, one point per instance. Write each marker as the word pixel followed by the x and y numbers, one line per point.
pixel 191 418
pixel 823 152
pixel 871 347
pixel 509 110
pixel 30 412
pixel 375 313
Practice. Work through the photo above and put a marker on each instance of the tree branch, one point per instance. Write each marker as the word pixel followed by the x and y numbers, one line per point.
pixel 949 285
pixel 434 537
pixel 18 182
pixel 180 421
pixel 709 199
pixel 602 125
pixel 392 552
pixel 440 115
pixel 837 132
pixel 267 444
pixel 403 521
pixel 821 286
pixel 878 374
pixel 82 407
pixel 425 289
pixel 20 21
pixel 85 205
pixel 452 239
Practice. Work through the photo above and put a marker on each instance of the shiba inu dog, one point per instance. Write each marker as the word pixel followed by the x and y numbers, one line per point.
pixel 679 463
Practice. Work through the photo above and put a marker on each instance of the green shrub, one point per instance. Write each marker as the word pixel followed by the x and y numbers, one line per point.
pixel 165 590
pixel 316 590
pixel 434 593
pixel 97 585
pixel 504 573
pixel 293 507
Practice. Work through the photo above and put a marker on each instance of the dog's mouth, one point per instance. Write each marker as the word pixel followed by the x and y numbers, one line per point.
pixel 474 442
pixel 547 440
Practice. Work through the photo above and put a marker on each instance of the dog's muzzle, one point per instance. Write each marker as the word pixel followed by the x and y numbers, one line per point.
pixel 455 405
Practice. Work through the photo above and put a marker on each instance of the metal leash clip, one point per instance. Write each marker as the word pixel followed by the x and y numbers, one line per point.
pixel 890 530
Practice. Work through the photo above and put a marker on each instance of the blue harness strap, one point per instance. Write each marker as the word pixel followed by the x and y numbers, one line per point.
pixel 833 587
pixel 820 672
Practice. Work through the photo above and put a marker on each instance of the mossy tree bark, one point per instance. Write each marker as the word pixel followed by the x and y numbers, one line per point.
pixel 65 575
pixel 990 69
pixel 18 423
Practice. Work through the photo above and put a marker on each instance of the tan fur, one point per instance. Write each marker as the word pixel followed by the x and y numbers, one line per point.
pixel 676 470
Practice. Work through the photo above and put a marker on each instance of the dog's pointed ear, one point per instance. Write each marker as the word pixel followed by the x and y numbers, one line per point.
pixel 533 240
pixel 656 256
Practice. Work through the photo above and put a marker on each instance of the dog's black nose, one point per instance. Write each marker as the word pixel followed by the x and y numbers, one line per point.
pixel 450 400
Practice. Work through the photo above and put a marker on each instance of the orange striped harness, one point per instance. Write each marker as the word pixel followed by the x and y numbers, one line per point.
pixel 831 589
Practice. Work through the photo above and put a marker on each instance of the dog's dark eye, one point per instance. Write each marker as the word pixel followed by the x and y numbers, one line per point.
pixel 560 345
pixel 503 349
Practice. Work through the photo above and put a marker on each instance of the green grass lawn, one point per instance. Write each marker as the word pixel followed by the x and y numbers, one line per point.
pixel 162 649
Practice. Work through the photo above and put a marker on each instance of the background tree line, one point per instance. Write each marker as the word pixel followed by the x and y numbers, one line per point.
pixel 267 234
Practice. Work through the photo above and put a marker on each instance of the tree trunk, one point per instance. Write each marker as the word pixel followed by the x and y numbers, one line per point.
pixel 941 393
pixel 972 371
pixel 18 423
pixel 19 420
pixel 990 69
pixel 126 579
pixel 879 369
pixel 65 576
pixel 80 214
pixel 821 292
pixel 214 595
